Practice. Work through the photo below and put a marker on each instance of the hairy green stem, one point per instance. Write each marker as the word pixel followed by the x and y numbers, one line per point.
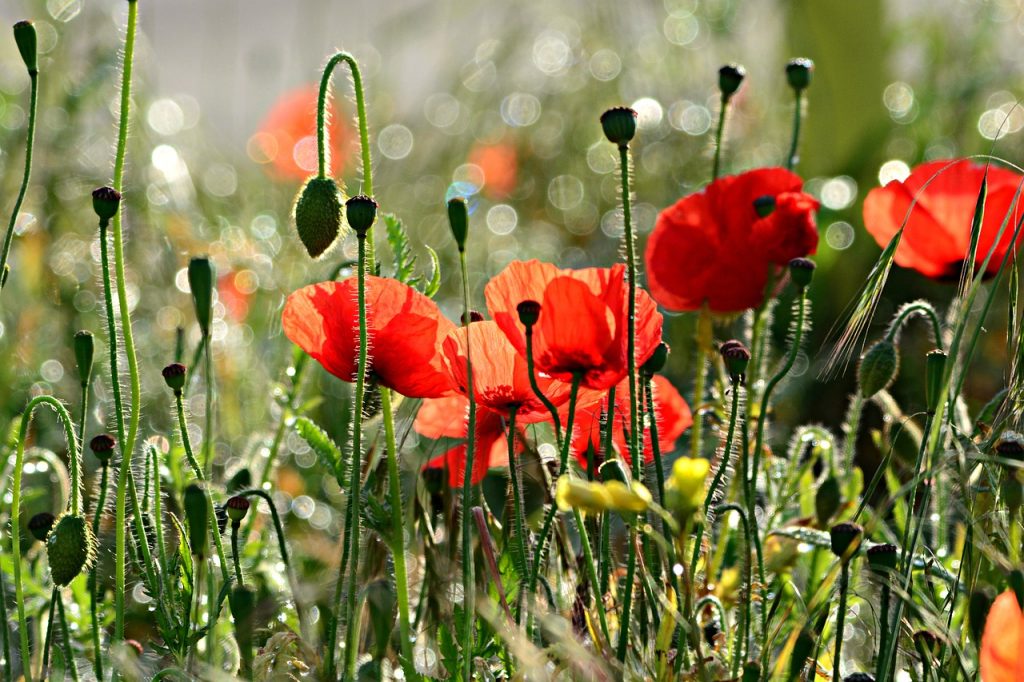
pixel 844 585
pixel 94 592
pixel 883 624
pixel 719 134
pixel 29 145
pixel 792 157
pixel 468 582
pixel 44 668
pixel 701 348
pixel 236 558
pixel 69 655
pixel 521 560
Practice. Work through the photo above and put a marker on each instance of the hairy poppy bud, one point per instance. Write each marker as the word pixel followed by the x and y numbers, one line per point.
pixel 978 606
pixel 827 500
pixel 240 480
pixel 102 447
pixel 801 270
pixel 656 362
pixel 237 507
pixel 858 677
pixel 736 357
pixel 40 525
pixel 613 470
pixel 764 206
pixel 619 125
pixel 799 72
pixel 106 201
pixel 846 539
pixel 882 558
pixel 70 548
pixel 197 517
pixel 174 375
pixel 730 77
pixel 935 367
pixel 25 37
pixel 878 368
pixel 84 347
pixel 529 313
pixel 458 219
pixel 361 211
pixel 200 281
pixel 317 214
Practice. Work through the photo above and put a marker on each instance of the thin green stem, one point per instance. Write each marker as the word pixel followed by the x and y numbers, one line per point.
pixel 916 308
pixel 531 371
pixel 627 219
pixel 29 145
pixel 844 584
pixel 5 633
pixel 398 538
pixel 521 560
pixel 719 134
pixel 44 668
pixel 701 348
pixel 883 623
pixel 210 397
pixel 604 543
pixel 627 599
pixel 792 157
pixel 69 656
pixel 590 569
pixel 235 556
pixel 468 581
pixel 94 592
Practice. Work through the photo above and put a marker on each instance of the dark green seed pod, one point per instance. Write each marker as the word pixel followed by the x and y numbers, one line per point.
pixel 70 548
pixel 174 376
pixel 106 201
pixel 799 72
pixel 84 352
pixel 40 525
pixel 656 362
pixel 934 368
pixel 529 313
pixel 764 206
pixel 878 368
pixel 846 538
pixel 317 214
pixel 736 357
pixel 197 518
pixel 801 270
pixel 827 500
pixel 458 219
pixel 614 470
pixel 361 211
pixel 201 277
pixel 619 125
pixel 802 650
pixel 25 37
pixel 730 77
pixel 102 447
pixel 240 480
pixel 237 507
pixel 882 559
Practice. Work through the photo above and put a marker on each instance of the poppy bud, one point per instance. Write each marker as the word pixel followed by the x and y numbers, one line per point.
pixel 197 517
pixel 1012 492
pixel 935 367
pixel 846 539
pixel 200 281
pixel 858 677
pixel 361 211
pixel 736 357
pixel 237 507
pixel 458 219
pixel 240 480
pixel 135 646
pixel 801 270
pixel 878 368
pixel 799 72
pixel 106 201
pixel 619 125
pixel 529 313
pixel 613 470
pixel 102 447
pixel 317 214
pixel 1011 446
pixel 70 548
pixel 40 525
pixel 25 37
pixel 927 643
pixel 802 650
pixel 827 500
pixel 730 77
pixel 656 362
pixel 174 375
pixel 84 347
pixel 473 316
pixel 978 606
pixel 882 558
pixel 764 206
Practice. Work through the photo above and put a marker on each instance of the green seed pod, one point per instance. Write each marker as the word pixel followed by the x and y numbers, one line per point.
pixel 105 202
pixel 237 507
pixel 242 602
pixel 201 277
pixel 656 362
pixel 84 348
pixel 614 470
pixel 40 525
pixel 317 214
pixel 529 313
pixel 978 606
pixel 174 376
pixel 827 501
pixel 102 447
pixel 730 77
pixel 70 548
pixel 799 72
pixel 878 368
pixel 801 271
pixel 458 219
pixel 619 125
pixel 846 539
pixel 197 518
pixel 240 480
pixel 882 559
pixel 25 37
pixel 935 367
pixel 361 211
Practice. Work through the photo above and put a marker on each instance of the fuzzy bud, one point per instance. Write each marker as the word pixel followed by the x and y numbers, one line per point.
pixel 70 548
pixel 40 525
pixel 529 313
pixel 106 201
pixel 317 214
pixel 237 507
pixel 619 125
pixel 201 277
pixel 25 37
pixel 361 212
pixel 656 362
pixel 801 270
pixel 878 368
pixel 846 538
pixel 882 558
pixel 730 77
pixel 799 72
pixel 174 376
pixel 197 517
pixel 458 219
pixel 736 357
pixel 102 447
pixel 934 369
pixel 240 480
pixel 84 349
pixel 827 500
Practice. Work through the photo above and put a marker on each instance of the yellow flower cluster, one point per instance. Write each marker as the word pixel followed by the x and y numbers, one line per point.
pixel 595 497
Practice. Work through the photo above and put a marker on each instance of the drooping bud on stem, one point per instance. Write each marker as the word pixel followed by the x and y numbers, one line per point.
pixel 878 368
pixel 25 37
pixel 730 77
pixel 458 219
pixel 317 214
pixel 84 349
pixel 70 548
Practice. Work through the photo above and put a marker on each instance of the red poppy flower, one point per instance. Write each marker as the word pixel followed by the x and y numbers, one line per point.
pixel 405 330
pixel 447 418
pixel 234 290
pixel 498 163
pixel 287 137
pixel 713 248
pixel 582 328
pixel 673 415
pixel 938 231
pixel 1001 657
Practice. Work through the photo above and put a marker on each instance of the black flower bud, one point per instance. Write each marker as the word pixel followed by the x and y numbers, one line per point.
pixel 40 525
pixel 200 280
pixel 529 313
pixel 106 201
pixel 25 37
pixel 846 538
pixel 317 214
pixel 84 350
pixel 764 206
pixel 174 375
pixel 656 362
pixel 458 219
pixel 619 125
pixel 801 270
pixel 882 558
pixel 799 72
pixel 736 357
pixel 102 447
pixel 730 77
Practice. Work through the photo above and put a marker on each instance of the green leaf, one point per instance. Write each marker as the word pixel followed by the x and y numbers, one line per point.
pixel 398 240
pixel 327 451
pixel 430 287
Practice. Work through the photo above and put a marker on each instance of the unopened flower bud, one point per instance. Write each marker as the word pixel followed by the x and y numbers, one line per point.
pixel 174 375
pixel 102 447
pixel 25 37
pixel 935 368
pixel 882 558
pixel 106 201
pixel 730 77
pixel 736 357
pixel 878 368
pixel 40 525
pixel 827 500
pixel 846 538
pixel 799 72
pixel 361 211
pixel 1011 446
pixel 197 517
pixel 458 220
pixel 529 313
pixel 84 350
pixel 619 125
pixel 801 270
pixel 237 507
pixel 656 362
pixel 200 280
pixel 317 214
pixel 70 548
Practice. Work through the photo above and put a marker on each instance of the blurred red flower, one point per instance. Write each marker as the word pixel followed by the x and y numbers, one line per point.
pixel 938 231
pixel 234 295
pixel 1001 657
pixel 582 327
pixel 447 418
pixel 287 137
pixel 673 415
pixel 499 165
pixel 712 247
pixel 405 331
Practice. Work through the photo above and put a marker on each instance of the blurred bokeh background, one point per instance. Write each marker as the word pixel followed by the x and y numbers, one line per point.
pixel 499 101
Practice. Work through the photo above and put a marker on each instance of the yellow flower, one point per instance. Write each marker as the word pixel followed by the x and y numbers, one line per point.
pixel 634 498
pixel 587 496
pixel 684 490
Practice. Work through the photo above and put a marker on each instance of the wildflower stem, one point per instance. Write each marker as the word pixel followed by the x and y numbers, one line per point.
pixel 210 396
pixel 844 585
pixel 627 221
pixel 69 657
pixel 883 623
pixel 531 370
pixel 792 157
pixel 398 538
pixel 94 592
pixel 236 559
pixel 627 599
pixel 702 348
pixel 29 145
pixel 468 582
pixel 723 109
pixel 282 546
pixel 604 549
pixel 522 562
pixel 44 668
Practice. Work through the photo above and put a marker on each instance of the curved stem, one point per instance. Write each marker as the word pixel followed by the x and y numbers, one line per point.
pixel 916 308
pixel 531 371
pixel 521 560
pixel 29 145
pixel 19 463
pixel 468 581
pixel 791 158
